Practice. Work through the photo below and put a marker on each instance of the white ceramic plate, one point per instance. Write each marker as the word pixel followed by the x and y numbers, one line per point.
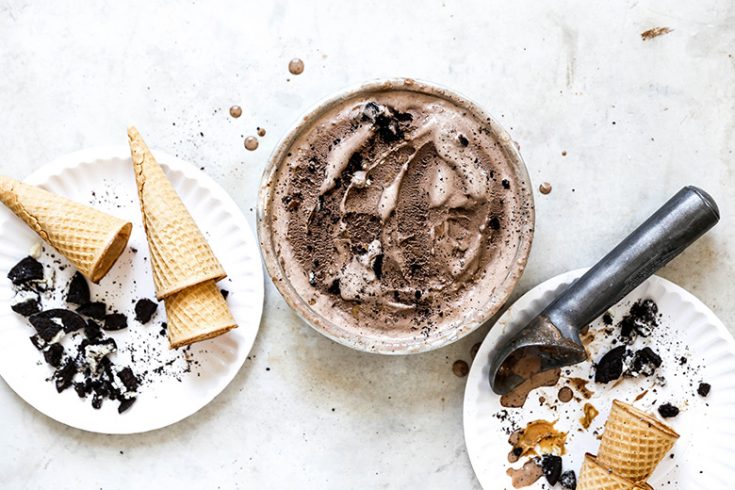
pixel 189 378
pixel 704 454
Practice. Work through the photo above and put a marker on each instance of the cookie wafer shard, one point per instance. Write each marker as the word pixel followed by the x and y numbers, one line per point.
pixel 90 239
pixel 197 313
pixel 180 255
pixel 593 476
pixel 634 442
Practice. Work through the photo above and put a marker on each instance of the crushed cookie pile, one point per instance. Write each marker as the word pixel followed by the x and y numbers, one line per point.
pixel 76 336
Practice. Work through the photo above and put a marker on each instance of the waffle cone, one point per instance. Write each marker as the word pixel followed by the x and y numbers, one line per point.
pixel 634 442
pixel 90 239
pixel 594 476
pixel 197 313
pixel 180 255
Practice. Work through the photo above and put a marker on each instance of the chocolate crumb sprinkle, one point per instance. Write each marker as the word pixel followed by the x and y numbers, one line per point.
pixel 144 310
pixel 667 410
pixel 703 389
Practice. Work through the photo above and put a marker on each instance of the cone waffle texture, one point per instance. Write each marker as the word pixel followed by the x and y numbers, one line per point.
pixel 90 239
pixel 593 476
pixel 634 442
pixel 197 313
pixel 180 255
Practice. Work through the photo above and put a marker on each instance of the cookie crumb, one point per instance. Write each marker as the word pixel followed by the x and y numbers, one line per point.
pixel 568 480
pixel 144 310
pixel 703 389
pixel 667 410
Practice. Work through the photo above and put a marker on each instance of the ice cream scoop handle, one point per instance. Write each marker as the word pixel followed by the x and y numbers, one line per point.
pixel 671 229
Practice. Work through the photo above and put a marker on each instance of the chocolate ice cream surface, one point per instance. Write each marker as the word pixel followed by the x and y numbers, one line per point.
pixel 400 214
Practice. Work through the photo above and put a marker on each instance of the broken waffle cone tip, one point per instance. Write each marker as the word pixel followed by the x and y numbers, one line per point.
pixel 180 255
pixel 197 313
pixel 88 238
pixel 634 442
pixel 594 476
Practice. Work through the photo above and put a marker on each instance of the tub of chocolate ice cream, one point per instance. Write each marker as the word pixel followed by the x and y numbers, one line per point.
pixel 396 217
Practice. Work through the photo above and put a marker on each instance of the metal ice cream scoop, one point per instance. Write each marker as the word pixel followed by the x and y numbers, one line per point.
pixel 551 340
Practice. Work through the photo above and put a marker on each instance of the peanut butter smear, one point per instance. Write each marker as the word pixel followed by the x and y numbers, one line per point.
pixel 590 413
pixel 538 438
pixel 401 204
pixel 581 386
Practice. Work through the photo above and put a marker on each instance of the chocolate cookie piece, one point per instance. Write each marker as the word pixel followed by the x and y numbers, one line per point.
pixel 610 366
pixel 225 293
pixel 37 342
pixel 54 354
pixel 97 401
pixel 568 480
pixel 125 403
pixel 92 330
pixel 107 375
pixel 96 310
pixel 103 388
pixel 144 310
pixel 128 379
pixel 27 307
pixel 78 293
pixel 667 410
pixel 551 466
pixel 645 362
pixel 703 389
pixel 71 321
pixel 63 376
pixel 79 388
pixel 640 320
pixel 94 353
pixel 28 269
pixel 47 329
pixel 115 321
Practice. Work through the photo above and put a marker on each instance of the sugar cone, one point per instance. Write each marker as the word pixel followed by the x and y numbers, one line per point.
pixel 197 313
pixel 180 255
pixel 593 476
pixel 634 442
pixel 90 239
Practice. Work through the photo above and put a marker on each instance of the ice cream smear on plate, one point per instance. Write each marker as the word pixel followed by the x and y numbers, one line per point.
pixel 397 211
